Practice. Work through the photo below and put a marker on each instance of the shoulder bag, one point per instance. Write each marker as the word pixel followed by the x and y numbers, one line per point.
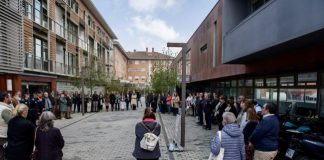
pixel 220 155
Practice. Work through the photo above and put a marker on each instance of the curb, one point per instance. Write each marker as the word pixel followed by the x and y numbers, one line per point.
pixel 166 138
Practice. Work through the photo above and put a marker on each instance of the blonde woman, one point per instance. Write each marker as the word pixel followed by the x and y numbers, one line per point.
pixel 20 135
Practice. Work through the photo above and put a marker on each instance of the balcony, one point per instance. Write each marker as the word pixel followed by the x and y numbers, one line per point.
pixel 84 45
pixel 57 28
pixel 277 26
pixel 33 63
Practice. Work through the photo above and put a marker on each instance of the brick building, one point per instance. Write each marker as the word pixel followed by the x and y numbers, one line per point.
pixel 141 64
pixel 268 50
pixel 49 42
pixel 120 62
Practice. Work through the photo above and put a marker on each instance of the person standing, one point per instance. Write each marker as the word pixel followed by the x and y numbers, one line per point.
pixel 154 102
pixel 127 99
pixel 266 134
pixel 220 109
pixel 208 109
pixel 6 115
pixel 163 108
pixel 47 102
pixel 117 102
pixel 148 124
pixel 168 101
pixel 112 98
pixel 95 102
pixel 106 99
pixel 238 107
pixel 252 121
pixel 242 117
pixel 138 98
pixel 63 105
pixel 49 141
pixel 232 139
pixel 69 105
pixel 176 104
pixel 188 103
pixel 200 106
pixel 133 101
pixel 20 135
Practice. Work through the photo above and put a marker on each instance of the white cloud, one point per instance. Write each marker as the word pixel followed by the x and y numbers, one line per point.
pixel 150 5
pixel 155 27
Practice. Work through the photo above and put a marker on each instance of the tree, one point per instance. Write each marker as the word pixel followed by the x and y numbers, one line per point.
pixel 164 79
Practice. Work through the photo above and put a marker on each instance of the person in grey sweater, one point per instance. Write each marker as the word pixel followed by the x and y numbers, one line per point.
pixel 141 128
pixel 232 139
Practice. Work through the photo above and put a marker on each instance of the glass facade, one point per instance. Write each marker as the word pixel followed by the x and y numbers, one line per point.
pixel 299 94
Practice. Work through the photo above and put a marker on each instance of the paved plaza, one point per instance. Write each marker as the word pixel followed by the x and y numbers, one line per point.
pixel 111 135
pixel 102 136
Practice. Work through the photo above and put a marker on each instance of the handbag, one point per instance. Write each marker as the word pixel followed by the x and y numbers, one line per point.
pixel 149 139
pixel 220 155
pixel 35 152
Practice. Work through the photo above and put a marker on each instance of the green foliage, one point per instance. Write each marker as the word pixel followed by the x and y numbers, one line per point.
pixel 164 80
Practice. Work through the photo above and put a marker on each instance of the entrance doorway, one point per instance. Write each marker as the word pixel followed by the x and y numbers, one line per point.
pixel 35 87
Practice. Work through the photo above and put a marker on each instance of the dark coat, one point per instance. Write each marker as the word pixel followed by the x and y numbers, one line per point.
pixel 21 134
pixel 140 131
pixel 49 144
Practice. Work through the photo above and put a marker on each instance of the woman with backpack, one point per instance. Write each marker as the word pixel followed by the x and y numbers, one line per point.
pixel 148 125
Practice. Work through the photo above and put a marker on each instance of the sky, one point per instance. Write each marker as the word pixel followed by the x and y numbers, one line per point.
pixel 141 24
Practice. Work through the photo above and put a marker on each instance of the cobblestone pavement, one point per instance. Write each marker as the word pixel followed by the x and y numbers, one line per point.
pixel 103 136
pixel 197 139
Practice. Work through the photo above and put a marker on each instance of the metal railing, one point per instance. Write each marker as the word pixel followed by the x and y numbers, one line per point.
pixel 38 64
pixel 57 28
pixel 84 45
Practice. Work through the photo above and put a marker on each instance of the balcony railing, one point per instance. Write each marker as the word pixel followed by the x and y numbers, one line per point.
pixel 38 64
pixel 57 28
pixel 84 45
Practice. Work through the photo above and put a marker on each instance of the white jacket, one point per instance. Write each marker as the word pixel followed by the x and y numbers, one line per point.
pixel 3 124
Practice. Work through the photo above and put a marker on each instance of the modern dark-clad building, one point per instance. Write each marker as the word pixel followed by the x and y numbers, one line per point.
pixel 268 50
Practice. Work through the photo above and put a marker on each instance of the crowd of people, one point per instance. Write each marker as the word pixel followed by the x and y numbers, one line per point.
pixel 248 130
pixel 19 133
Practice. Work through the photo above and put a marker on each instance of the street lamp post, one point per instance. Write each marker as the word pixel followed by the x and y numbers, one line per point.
pixel 183 88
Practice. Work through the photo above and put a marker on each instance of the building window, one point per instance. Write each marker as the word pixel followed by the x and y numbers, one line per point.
pixel 287 81
pixel 136 69
pixel 28 11
pixel 259 83
pixel 74 5
pixel 136 62
pixel 256 4
pixel 215 53
pixel 40 54
pixel 72 32
pixel 37 11
pixel 271 82
pixel 203 49
pixel 307 79
pixel 301 102
pixel 40 12
pixel 143 78
pixel 143 62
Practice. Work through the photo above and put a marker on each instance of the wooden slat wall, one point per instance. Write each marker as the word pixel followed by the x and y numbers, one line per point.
pixel 52 50
pixel 28 36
